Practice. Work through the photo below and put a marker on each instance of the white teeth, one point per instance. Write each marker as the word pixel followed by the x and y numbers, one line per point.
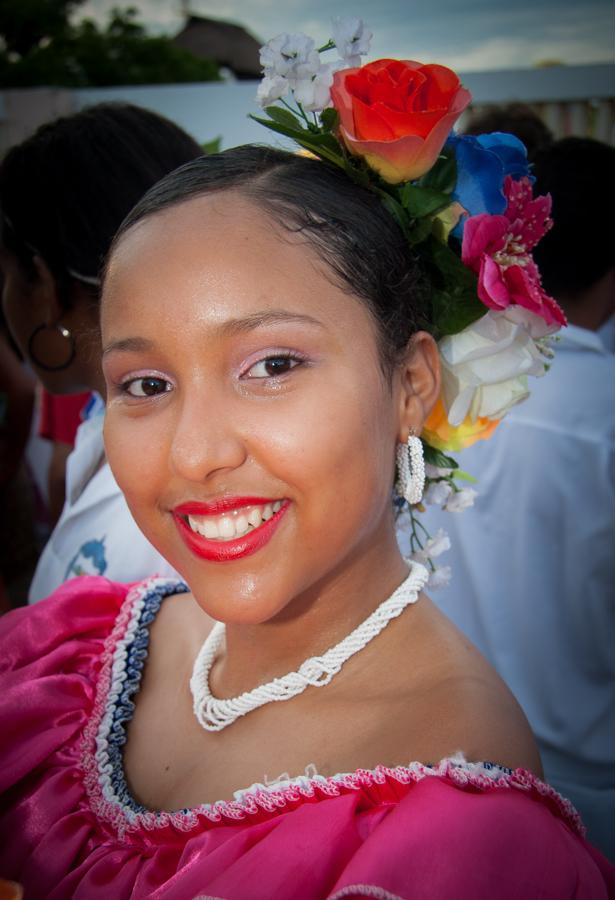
pixel 241 525
pixel 209 529
pixel 226 528
pixel 255 516
pixel 233 524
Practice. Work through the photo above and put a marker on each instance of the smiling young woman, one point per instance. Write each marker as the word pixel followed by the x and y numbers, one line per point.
pixel 263 360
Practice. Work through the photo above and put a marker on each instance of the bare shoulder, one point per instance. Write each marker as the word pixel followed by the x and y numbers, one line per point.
pixel 177 634
pixel 460 704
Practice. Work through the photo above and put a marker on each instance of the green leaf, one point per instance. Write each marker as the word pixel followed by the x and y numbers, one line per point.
pixel 212 146
pixel 283 117
pixel 442 176
pixel 437 458
pixel 454 297
pixel 465 476
pixel 423 201
pixel 330 119
pixel 419 231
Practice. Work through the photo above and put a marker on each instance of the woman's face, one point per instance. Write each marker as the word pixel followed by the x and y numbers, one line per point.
pixel 248 422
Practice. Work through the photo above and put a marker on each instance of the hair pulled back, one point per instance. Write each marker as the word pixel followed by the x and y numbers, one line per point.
pixel 347 226
pixel 65 190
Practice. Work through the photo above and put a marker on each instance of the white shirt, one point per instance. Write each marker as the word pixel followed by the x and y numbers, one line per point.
pixel 534 569
pixel 96 534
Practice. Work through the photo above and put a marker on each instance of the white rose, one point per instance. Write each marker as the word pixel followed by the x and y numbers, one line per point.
pixel 460 500
pixel 437 493
pixel 352 39
pixel 485 368
pixel 271 89
pixel 439 578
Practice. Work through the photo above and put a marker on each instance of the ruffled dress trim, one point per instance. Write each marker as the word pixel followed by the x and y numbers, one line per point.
pixel 105 736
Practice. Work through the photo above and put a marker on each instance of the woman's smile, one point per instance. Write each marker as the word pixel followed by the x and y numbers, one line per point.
pixel 229 529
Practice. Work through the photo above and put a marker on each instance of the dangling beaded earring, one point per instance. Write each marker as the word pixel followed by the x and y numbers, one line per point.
pixel 410 470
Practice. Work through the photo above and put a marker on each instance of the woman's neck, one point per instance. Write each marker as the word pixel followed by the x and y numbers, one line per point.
pixel 311 624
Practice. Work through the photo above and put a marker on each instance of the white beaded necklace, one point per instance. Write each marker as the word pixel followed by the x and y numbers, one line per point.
pixel 214 714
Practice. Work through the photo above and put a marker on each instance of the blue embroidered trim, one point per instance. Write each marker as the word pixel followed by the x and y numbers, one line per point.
pixel 122 710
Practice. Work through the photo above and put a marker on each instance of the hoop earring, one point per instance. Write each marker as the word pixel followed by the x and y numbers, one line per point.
pixel 410 470
pixel 65 334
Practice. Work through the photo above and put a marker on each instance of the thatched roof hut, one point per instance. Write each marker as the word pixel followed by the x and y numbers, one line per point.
pixel 231 46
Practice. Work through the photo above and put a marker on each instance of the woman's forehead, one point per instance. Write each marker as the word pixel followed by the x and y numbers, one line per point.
pixel 219 258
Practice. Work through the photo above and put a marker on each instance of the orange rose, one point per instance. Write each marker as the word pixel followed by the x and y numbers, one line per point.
pixel 397 114
pixel 439 433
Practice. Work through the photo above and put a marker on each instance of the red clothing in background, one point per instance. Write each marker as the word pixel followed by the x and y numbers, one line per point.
pixel 61 415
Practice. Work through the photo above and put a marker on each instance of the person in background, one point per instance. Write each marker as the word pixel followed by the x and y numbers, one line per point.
pixel 63 193
pixel 514 118
pixel 60 417
pixel 18 546
pixel 533 562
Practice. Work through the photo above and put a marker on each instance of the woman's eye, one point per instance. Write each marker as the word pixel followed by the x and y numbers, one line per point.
pixel 272 366
pixel 148 386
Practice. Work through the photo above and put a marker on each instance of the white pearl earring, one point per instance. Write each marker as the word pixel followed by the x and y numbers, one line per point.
pixel 410 470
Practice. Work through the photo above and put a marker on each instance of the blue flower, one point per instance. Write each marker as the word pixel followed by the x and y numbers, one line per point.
pixel 483 162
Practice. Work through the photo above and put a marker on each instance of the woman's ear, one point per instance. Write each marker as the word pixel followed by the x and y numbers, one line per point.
pixel 45 291
pixel 419 374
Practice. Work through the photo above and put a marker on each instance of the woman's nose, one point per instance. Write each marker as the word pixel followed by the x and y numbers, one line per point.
pixel 206 439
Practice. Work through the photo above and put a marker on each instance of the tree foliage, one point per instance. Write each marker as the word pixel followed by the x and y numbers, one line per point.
pixel 44 48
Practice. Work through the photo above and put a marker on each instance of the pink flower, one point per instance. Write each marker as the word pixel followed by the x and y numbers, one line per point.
pixel 498 249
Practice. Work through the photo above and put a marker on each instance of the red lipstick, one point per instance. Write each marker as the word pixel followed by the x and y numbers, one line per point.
pixel 237 548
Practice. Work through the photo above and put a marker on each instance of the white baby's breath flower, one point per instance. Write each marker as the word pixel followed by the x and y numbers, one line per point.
pixel 314 94
pixel 437 493
pixel 460 500
pixel 290 55
pixel 433 548
pixel 439 578
pixel 485 367
pixel 436 471
pixel 352 39
pixel 271 88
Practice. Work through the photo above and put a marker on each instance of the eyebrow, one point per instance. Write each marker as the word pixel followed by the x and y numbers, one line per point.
pixel 230 327
pixel 267 317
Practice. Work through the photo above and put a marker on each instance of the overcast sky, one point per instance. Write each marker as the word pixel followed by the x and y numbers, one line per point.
pixel 465 34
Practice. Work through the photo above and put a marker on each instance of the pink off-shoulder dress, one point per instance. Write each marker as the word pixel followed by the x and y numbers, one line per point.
pixel 69 827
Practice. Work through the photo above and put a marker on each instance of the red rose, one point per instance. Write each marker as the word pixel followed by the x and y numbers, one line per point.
pixel 397 114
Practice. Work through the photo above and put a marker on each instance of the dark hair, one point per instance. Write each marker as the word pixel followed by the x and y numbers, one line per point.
pixel 346 225
pixel 517 119
pixel 65 190
pixel 579 249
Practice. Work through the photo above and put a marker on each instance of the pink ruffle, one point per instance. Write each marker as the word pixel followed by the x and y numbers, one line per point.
pixel 411 832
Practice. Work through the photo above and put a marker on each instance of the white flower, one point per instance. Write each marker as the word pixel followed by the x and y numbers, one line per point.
pixel 485 368
pixel 437 493
pixel 271 88
pixel 436 471
pixel 352 39
pixel 314 94
pixel 535 325
pixel 434 547
pixel 439 578
pixel 290 55
pixel 460 500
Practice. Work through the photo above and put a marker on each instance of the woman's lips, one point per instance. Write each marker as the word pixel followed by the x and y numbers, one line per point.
pixel 230 528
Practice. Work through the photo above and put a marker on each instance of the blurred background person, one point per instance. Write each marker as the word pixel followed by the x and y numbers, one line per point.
pixel 533 562
pixel 514 118
pixel 60 417
pixel 63 193
pixel 18 544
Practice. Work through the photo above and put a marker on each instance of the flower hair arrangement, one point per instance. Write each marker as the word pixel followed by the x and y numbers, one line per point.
pixel 465 205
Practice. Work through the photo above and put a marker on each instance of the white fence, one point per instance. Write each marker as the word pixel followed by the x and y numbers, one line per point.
pixel 571 99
